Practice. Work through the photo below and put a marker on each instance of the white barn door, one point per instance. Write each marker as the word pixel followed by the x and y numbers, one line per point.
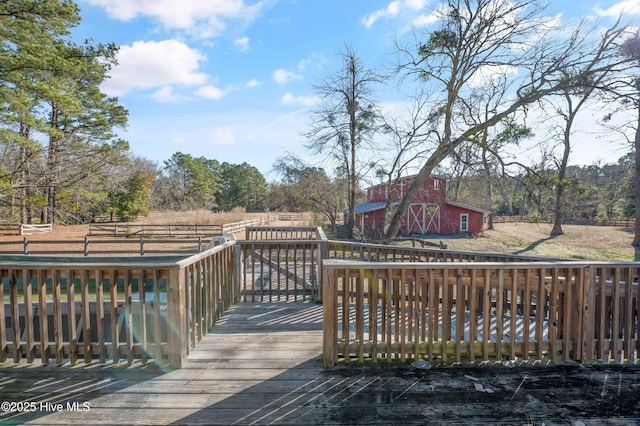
pixel 423 218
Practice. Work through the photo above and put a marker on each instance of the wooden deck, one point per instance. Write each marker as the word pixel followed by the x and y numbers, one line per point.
pixel 261 365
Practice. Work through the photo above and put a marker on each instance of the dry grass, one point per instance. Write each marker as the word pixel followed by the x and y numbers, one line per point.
pixel 577 243
pixel 200 217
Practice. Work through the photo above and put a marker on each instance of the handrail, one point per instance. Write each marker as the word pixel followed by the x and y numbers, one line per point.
pixel 493 311
pixel 282 232
pixel 87 246
pixel 152 307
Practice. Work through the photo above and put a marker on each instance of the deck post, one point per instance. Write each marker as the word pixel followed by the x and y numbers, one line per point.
pixel 177 311
pixel 330 319
pixel 589 313
pixel 237 268
pixel 323 249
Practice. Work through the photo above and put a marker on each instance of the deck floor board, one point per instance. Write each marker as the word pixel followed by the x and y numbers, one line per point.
pixel 261 364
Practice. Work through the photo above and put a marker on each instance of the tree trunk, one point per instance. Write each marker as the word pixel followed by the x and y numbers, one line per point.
pixel 24 189
pixel 52 165
pixel 25 177
pixel 562 171
pixel 443 150
pixel 487 188
pixel 557 218
pixel 636 188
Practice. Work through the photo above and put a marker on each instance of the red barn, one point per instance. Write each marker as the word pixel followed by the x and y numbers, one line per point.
pixel 428 213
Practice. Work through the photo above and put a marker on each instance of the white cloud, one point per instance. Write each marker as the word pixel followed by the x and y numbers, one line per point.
pixel 242 43
pixel 424 20
pixel 282 76
pixel 405 8
pixel 223 136
pixel 488 73
pixel 306 101
pixel 145 65
pixel 317 59
pixel 624 7
pixel 210 92
pixel 165 95
pixel 253 83
pixel 199 17
pixel 392 9
pixel 304 63
pixel 416 4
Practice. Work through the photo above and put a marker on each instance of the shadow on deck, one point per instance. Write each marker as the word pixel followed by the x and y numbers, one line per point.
pixel 261 365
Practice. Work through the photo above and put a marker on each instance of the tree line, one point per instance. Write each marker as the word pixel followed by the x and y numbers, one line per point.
pixel 61 160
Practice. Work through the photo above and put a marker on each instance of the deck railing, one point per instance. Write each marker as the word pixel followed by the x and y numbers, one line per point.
pixel 113 308
pixel 445 312
pixel 282 263
pixel 282 232
pixel 379 302
pixel 102 246
pixel 368 252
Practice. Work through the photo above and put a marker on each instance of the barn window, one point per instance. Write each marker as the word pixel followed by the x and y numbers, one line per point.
pixel 436 184
pixel 464 222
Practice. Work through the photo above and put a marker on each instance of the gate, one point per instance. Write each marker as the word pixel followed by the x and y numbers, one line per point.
pixel 282 270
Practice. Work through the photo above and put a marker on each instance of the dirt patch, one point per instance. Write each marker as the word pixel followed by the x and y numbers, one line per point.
pixel 75 235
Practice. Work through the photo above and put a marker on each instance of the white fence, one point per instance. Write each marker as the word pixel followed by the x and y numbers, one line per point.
pixel 29 229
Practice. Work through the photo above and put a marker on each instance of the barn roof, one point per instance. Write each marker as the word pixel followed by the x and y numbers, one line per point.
pixel 371 206
pixel 410 177
pixel 379 205
pixel 468 207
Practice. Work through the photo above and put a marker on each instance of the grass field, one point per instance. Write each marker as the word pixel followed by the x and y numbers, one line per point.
pixel 577 243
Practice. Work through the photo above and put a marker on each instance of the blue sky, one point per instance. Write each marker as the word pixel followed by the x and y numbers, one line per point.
pixel 232 80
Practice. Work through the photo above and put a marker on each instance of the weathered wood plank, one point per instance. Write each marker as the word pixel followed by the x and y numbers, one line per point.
pixel 276 377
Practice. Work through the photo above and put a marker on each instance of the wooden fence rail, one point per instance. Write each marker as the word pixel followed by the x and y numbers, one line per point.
pixel 105 308
pixel 239 226
pixel 99 247
pixel 486 311
pixel 622 223
pixel 151 230
pixel 9 229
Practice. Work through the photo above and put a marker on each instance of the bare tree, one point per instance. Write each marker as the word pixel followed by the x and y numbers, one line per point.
pixel 479 38
pixel 571 101
pixel 630 95
pixel 311 188
pixel 345 122
pixel 487 145
pixel 405 133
